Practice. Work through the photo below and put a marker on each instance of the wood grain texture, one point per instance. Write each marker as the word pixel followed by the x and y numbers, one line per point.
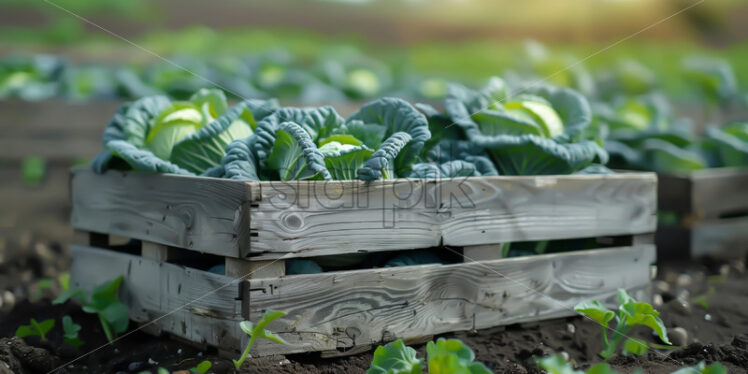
pixel 271 220
pixel 301 219
pixel 196 305
pixel 157 252
pixel 202 214
pixel 340 310
pixel 239 268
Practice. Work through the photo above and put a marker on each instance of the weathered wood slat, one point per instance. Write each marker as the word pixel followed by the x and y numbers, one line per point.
pixel 270 220
pixel 202 214
pixel 713 204
pixel 705 193
pixel 35 128
pixel 196 305
pixel 344 309
pixel 725 237
pixel 313 219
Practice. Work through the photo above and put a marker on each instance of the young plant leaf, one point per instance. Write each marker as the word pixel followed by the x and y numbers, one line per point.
pixel 395 358
pixel 601 368
pixel 64 280
pixel 202 367
pixel 635 347
pixel 643 314
pixel 33 169
pixel 556 365
pixel 71 330
pixel 595 310
pixel 258 330
pixel 104 302
pixel 41 285
pixel 76 293
pixel 35 328
pixel 448 356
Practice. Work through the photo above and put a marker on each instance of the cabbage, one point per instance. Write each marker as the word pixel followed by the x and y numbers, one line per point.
pixel 189 137
pixel 534 133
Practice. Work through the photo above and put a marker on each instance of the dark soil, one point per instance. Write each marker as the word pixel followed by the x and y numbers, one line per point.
pixel 709 301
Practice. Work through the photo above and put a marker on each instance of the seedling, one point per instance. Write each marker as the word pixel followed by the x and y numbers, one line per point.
pixel 33 169
pixel 34 328
pixel 630 314
pixel 70 330
pixel 202 367
pixel 41 285
pixel 556 364
pixel 64 280
pixel 444 356
pixel 103 302
pixel 259 331
pixel 395 358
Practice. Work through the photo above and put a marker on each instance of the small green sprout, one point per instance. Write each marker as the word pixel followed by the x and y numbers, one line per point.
pixel 202 367
pixel 34 328
pixel 70 330
pixel 41 285
pixel 33 169
pixel 64 280
pixel 395 357
pixel 630 314
pixel 556 364
pixel 259 331
pixel 453 356
pixel 104 302
pixel 445 356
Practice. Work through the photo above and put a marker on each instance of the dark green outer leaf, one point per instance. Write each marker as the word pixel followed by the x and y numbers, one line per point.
pixel 239 162
pixel 533 155
pixel 382 162
pixel 662 156
pixel 136 121
pixel 127 131
pixel 461 103
pixel 728 149
pixel 313 158
pixel 452 169
pixel 397 115
pixel 635 347
pixel 138 159
pixel 317 122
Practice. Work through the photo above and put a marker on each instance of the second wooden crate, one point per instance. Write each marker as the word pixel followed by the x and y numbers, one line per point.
pixel 707 211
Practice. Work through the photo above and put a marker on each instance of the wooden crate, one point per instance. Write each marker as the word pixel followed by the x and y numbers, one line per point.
pixel 253 227
pixel 713 208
